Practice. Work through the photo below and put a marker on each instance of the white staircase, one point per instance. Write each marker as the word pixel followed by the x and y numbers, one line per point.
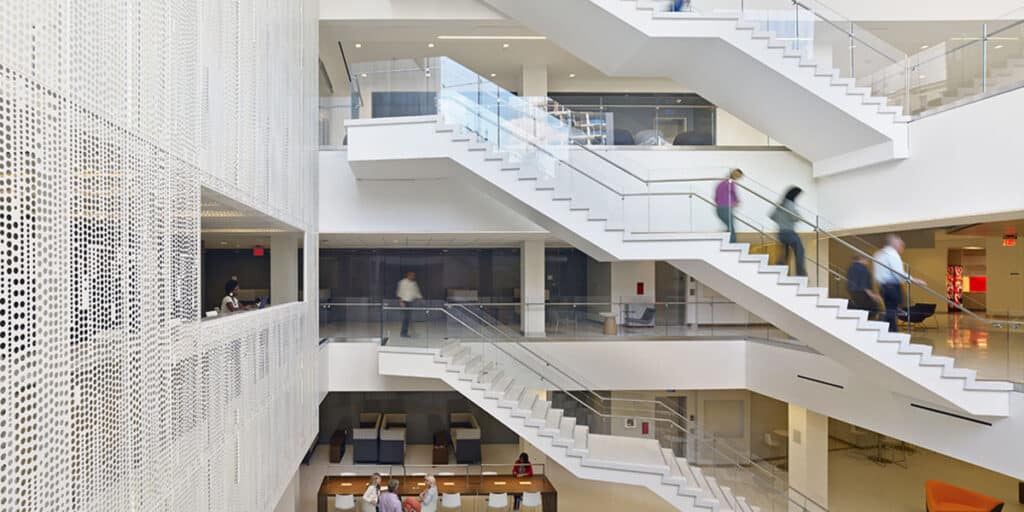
pixel 516 403
pixel 803 103
pixel 807 313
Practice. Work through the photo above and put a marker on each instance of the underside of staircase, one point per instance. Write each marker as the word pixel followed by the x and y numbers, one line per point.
pixel 505 394
pixel 803 103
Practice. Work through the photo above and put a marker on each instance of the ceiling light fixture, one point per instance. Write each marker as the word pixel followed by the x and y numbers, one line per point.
pixel 998 46
pixel 362 75
pixel 359 45
pixel 430 45
pixel 922 77
pixel 505 38
pixel 506 45
pixel 572 75
pixel 493 75
pixel 924 47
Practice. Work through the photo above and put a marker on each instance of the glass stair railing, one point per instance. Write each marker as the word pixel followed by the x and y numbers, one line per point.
pixel 946 64
pixel 702 463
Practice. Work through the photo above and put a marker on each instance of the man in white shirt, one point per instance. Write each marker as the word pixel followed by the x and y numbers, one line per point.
pixel 408 292
pixel 890 276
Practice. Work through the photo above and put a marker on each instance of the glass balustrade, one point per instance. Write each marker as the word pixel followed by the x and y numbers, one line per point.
pixel 718 466
pixel 934 66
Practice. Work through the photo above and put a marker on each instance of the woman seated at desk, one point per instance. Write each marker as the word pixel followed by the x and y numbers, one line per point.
pixel 522 468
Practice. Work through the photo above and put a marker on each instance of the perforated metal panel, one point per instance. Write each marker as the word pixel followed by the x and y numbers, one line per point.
pixel 113 114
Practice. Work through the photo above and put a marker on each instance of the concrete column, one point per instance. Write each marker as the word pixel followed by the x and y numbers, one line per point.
pixel 532 293
pixel 808 453
pixel 284 268
pixel 535 80
pixel 626 278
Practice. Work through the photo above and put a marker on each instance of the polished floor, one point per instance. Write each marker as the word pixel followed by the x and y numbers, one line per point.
pixel 856 484
pixel 995 351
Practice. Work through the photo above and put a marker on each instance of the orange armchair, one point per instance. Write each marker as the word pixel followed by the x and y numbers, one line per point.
pixel 942 497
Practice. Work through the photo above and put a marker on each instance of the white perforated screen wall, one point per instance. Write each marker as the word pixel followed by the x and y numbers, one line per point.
pixel 113 115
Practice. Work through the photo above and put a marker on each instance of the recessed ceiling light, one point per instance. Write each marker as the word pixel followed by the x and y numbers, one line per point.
pixel 973 248
pixel 362 75
pixel 922 77
pixel 572 75
pixel 430 45
pixel 493 75
pixel 998 46
pixel 924 47
pixel 506 45
pixel 359 45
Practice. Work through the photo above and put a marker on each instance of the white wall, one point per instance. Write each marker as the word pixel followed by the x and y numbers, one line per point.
pixel 964 167
pixel 353 367
pixel 348 205
pixel 732 131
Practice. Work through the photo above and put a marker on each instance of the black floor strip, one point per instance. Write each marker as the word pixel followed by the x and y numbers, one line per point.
pixel 957 416
pixel 819 381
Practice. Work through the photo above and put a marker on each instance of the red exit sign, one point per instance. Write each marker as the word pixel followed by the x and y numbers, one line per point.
pixel 1009 241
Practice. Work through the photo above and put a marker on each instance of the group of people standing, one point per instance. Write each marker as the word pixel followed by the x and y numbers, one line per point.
pixel 888 265
pixel 389 499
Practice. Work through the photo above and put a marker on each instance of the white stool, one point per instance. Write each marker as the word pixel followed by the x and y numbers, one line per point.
pixel 497 501
pixel 344 502
pixel 451 502
pixel 531 500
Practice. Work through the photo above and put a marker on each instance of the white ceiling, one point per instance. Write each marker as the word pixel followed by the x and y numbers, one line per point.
pixel 231 225
pixel 386 40
pixel 394 39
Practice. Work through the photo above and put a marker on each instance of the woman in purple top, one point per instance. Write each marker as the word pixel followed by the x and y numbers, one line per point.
pixel 726 201
pixel 389 501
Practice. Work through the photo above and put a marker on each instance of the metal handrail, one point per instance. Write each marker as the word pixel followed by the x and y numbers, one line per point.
pixel 464 307
pixel 815 224
pixel 787 493
pixel 967 44
pixel 847 32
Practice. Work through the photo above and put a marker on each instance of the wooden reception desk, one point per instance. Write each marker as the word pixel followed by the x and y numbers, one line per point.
pixel 466 486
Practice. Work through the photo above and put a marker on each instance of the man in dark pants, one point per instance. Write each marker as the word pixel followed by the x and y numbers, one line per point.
pixel 408 292
pixel 890 276
pixel 861 287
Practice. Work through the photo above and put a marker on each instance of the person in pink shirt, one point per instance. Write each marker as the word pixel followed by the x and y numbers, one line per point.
pixel 726 201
